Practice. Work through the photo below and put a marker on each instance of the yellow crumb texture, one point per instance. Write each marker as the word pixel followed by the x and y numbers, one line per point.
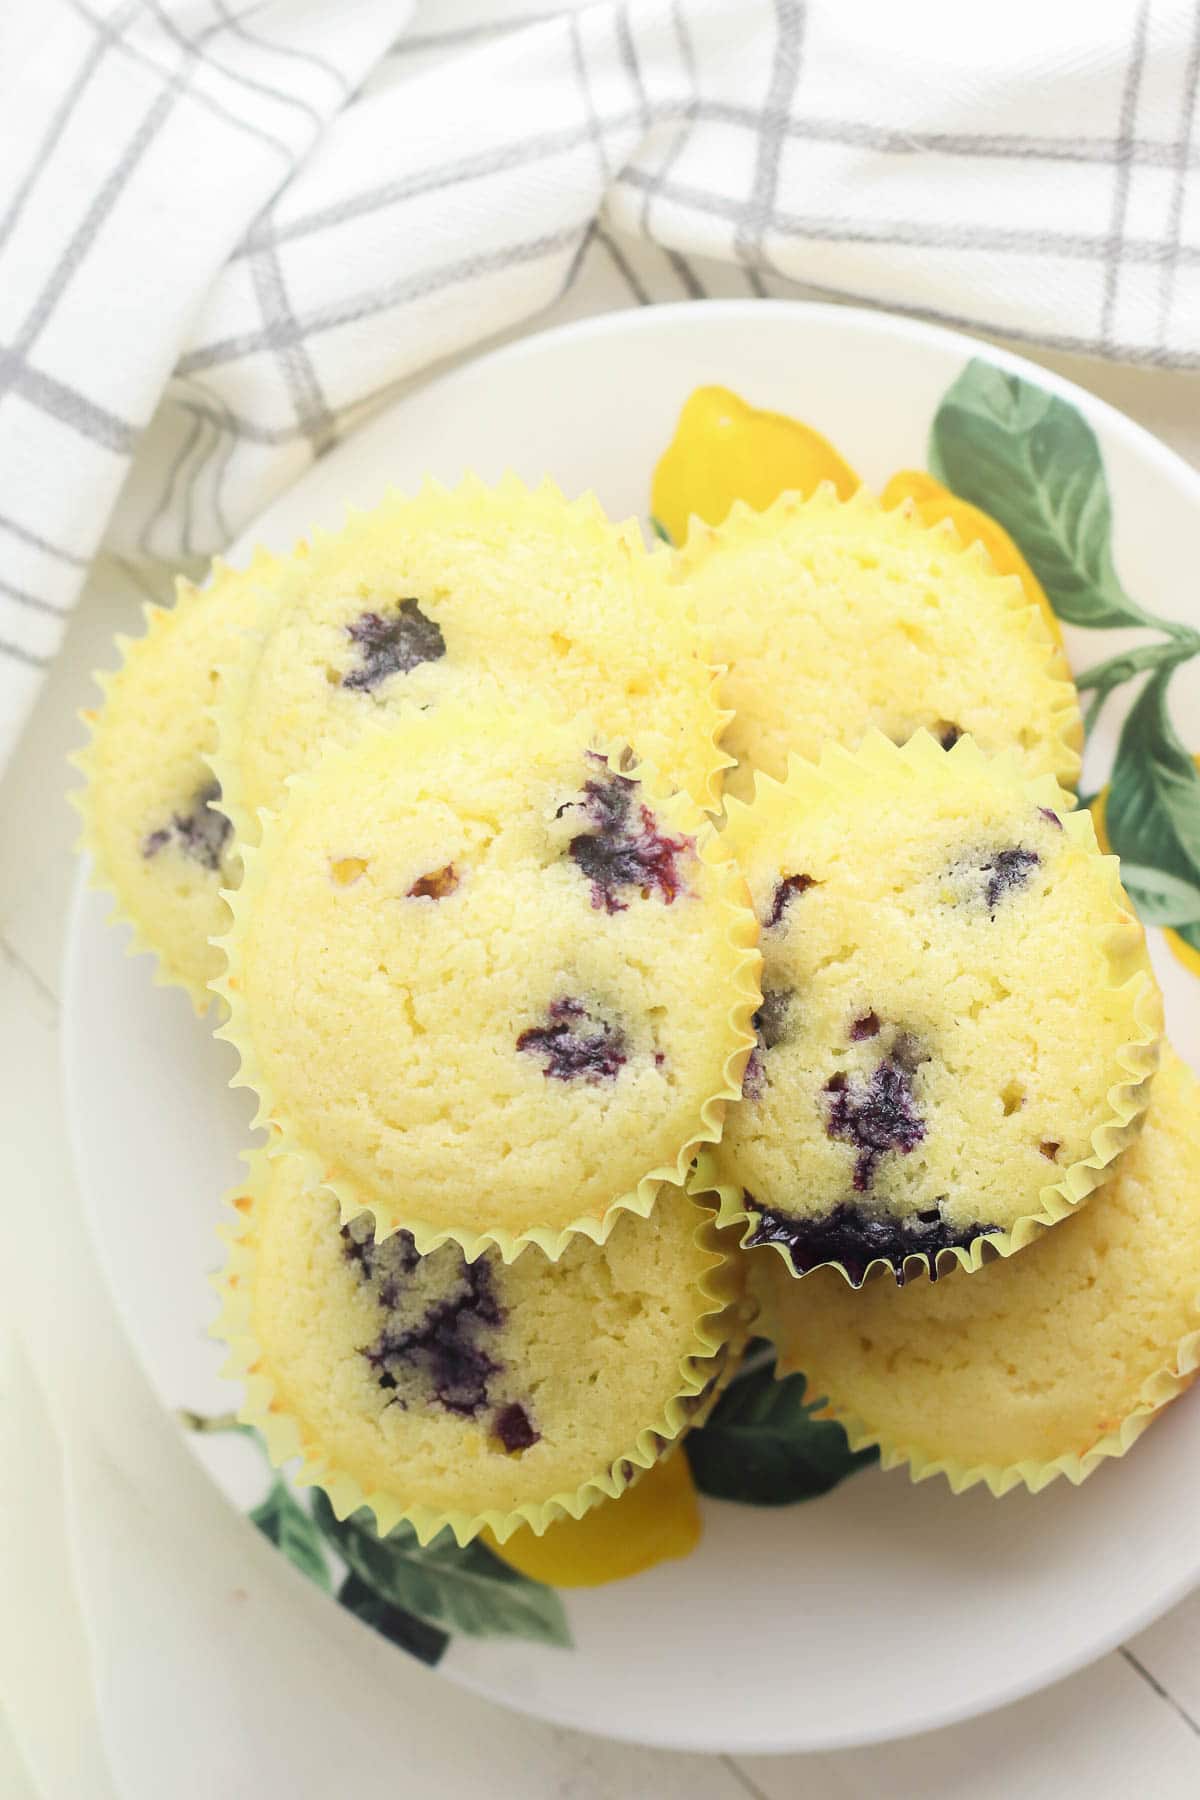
pixel 543 597
pixel 594 1348
pixel 418 955
pixel 952 940
pixel 1040 1357
pixel 835 616
pixel 146 767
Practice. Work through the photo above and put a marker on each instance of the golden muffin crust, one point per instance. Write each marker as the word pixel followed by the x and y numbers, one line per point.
pixel 492 986
pixel 438 1389
pixel 412 603
pixel 152 808
pixel 958 1023
pixel 836 617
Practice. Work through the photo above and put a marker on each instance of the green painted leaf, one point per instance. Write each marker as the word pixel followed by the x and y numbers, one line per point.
pixel 281 1518
pixel 423 1641
pixel 467 1590
pixel 1140 660
pixel 762 1446
pixel 1161 899
pixel 1153 811
pixel 660 530
pixel 1032 461
pixel 1104 678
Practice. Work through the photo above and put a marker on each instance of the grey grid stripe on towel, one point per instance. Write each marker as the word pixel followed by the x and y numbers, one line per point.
pixel 230 227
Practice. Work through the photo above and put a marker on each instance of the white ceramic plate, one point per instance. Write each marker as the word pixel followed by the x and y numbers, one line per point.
pixel 882 1608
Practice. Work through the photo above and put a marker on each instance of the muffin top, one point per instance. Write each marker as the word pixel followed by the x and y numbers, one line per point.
pixel 410 604
pixel 152 810
pixel 1034 1357
pixel 492 985
pixel 957 1011
pixel 471 1387
pixel 836 616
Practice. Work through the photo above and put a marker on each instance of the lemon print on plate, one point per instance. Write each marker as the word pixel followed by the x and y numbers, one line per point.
pixel 725 450
pixel 654 1521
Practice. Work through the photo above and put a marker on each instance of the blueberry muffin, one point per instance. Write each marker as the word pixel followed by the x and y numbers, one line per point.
pixel 958 1024
pixel 1040 1365
pixel 411 603
pixel 835 617
pixel 154 823
pixel 470 1393
pixel 493 987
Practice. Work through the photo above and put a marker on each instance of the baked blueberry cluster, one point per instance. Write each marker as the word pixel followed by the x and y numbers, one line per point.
pixel 854 1237
pixel 623 849
pixel 447 1352
pixel 1005 871
pixel 879 1113
pixel 201 833
pixel 785 892
pixel 392 644
pixel 875 1112
pixel 575 1043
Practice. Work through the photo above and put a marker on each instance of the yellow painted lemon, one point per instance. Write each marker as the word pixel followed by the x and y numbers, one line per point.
pixel 725 450
pixel 654 1521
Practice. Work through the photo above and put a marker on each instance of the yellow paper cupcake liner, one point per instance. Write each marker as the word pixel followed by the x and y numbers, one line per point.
pixel 741 934
pixel 720 1333
pixel 235 684
pixel 1064 720
pixel 365 534
pixel 225 583
pixel 1130 977
pixel 1157 1392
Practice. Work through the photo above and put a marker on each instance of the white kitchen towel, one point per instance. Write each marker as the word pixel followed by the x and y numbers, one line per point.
pixel 228 230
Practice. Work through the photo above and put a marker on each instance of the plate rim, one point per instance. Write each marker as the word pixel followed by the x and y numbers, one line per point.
pixel 872 320
pixel 886 326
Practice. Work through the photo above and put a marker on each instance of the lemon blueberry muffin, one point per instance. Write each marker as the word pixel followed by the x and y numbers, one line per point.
pixel 153 818
pixel 492 987
pixel 470 1392
pixel 1040 1364
pixel 958 1024
pixel 410 603
pixel 836 616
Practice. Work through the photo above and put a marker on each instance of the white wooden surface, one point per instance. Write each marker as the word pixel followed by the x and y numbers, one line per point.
pixel 208 1665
